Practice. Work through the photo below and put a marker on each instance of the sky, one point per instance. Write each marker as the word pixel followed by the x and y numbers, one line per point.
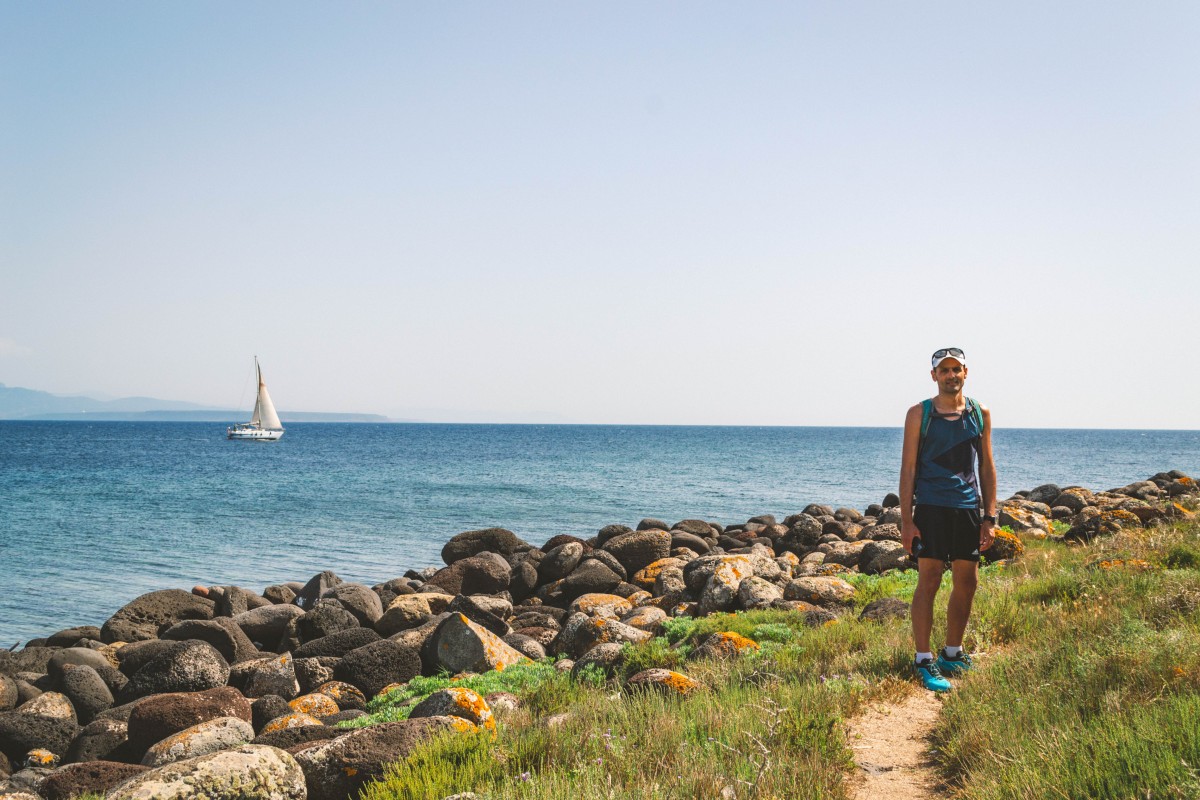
pixel 620 212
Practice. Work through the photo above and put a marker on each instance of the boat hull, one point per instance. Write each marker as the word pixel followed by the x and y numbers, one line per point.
pixel 253 434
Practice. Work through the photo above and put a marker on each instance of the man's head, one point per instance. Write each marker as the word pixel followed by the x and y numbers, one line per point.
pixel 949 369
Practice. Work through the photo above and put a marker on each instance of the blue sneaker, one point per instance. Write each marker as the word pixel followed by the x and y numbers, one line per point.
pixel 931 676
pixel 953 666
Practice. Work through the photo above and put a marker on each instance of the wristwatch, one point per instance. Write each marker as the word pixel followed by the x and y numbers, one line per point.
pixel 988 518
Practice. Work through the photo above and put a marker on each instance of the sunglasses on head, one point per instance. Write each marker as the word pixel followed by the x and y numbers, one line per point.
pixel 952 352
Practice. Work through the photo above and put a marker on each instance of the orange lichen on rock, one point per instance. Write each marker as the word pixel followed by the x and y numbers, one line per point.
pixel 666 681
pixel 473 703
pixel 647 575
pixel 296 720
pixel 317 704
pixel 594 602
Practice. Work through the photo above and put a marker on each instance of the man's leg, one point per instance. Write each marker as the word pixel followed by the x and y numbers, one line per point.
pixel 966 579
pixel 929 580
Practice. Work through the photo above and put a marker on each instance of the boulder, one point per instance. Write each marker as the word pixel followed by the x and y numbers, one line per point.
pixel 527 646
pixel 221 632
pixel 663 681
pixel 28 659
pixel 600 605
pixel 884 608
pixel 406 611
pixel 317 585
pixel 721 589
pixel 77 656
pixel 143 617
pixel 724 645
pixel 222 733
pixel 457 701
pixel 101 740
pixel 249 772
pixel 296 719
pixel 312 672
pixel 325 618
pixel 158 717
pixel 337 644
pixel 473 610
pixel 194 667
pixel 136 655
pixel 486 573
pixel 880 556
pixel 639 549
pixel 49 704
pixel 339 768
pixel 559 562
pixel 465 646
pixel 359 600
pixel 755 592
pixel 315 705
pixel 8 693
pixel 266 624
pixel 97 777
pixel 20 733
pixel 275 675
pixel 696 544
pixel 347 696
pixel 287 738
pixel 87 691
pixel 599 630
pixel 265 709
pixel 279 594
pixel 700 528
pixel 379 664
pixel 605 657
pixel 70 637
pixel 490 540
pixel 591 576
pixel 820 591
pixel 646 618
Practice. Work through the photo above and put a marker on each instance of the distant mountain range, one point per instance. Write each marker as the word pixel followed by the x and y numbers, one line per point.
pixel 18 403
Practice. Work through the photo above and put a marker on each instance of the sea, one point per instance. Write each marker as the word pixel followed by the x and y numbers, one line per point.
pixel 93 514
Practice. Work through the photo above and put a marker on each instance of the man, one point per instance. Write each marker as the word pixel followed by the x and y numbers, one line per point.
pixel 944 439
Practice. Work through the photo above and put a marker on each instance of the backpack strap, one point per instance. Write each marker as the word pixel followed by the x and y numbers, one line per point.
pixel 976 413
pixel 926 414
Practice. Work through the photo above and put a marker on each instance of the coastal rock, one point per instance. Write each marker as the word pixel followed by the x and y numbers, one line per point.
pixel 337 644
pixel 221 632
pixel 296 719
pixel 698 527
pixel 98 777
pixel 1075 498
pixel 347 696
pixel 279 594
pixel 249 772
pixel 317 585
pixel 379 664
pixel 598 604
pixel 325 618
pixel 465 646
pixel 315 705
pixel 881 555
pixel 158 717
pixel 884 608
pixel 265 709
pixel 682 539
pixel 87 691
pixel 605 657
pixel 266 676
pixel 1022 519
pixel 1046 493
pixel 76 656
pixel 473 610
pixel 8 693
pixel 266 624
pixel 522 579
pixel 487 573
pixel 490 540
pixel 599 630
pixel 721 588
pixel 724 645
pixel 20 733
pixel 312 672
pixel 459 702
pixel 359 600
pixel 664 681
pixel 639 549
pixel 222 733
pixel 136 655
pixel 143 617
pixel 287 738
pixel 1103 523
pixel 559 562
pixel 194 667
pixel 592 576
pixel 339 768
pixel 49 704
pixel 820 591
pixel 406 611
pixel 646 618
pixel 755 592
pixel 526 645
pixel 101 740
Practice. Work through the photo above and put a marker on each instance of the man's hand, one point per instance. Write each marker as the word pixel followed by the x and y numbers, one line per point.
pixel 987 534
pixel 908 532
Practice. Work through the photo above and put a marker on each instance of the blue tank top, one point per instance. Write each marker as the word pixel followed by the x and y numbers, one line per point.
pixel 946 473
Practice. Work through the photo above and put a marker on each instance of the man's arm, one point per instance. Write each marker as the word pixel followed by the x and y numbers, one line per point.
pixel 987 481
pixel 908 476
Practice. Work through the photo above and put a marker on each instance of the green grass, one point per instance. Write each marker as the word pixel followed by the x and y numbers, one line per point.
pixel 1087 685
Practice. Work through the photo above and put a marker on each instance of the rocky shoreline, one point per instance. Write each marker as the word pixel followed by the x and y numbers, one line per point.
pixel 222 692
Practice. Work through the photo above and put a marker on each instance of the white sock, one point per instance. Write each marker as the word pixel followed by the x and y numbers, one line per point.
pixel 952 652
pixel 924 657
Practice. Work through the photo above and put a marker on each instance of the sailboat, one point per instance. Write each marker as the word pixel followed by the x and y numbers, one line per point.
pixel 264 424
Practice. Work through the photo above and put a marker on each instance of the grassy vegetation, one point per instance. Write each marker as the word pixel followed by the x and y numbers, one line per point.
pixel 1087 685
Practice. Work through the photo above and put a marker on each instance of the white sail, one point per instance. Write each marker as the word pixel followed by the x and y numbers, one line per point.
pixel 264 410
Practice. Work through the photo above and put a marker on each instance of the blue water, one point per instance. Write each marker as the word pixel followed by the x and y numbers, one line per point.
pixel 94 514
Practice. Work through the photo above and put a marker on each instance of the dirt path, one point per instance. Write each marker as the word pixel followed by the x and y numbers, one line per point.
pixel 891 747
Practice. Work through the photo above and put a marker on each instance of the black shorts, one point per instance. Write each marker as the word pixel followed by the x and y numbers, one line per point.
pixel 947 534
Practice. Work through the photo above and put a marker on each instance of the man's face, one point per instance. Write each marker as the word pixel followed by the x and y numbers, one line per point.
pixel 949 375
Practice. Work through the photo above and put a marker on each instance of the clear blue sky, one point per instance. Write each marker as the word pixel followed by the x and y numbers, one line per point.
pixel 750 213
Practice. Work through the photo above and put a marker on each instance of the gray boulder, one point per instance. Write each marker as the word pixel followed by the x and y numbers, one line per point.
pixel 221 632
pixel 489 540
pixel 86 690
pixel 359 600
pixel 372 667
pixel 143 617
pixel 194 667
pixel 249 772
